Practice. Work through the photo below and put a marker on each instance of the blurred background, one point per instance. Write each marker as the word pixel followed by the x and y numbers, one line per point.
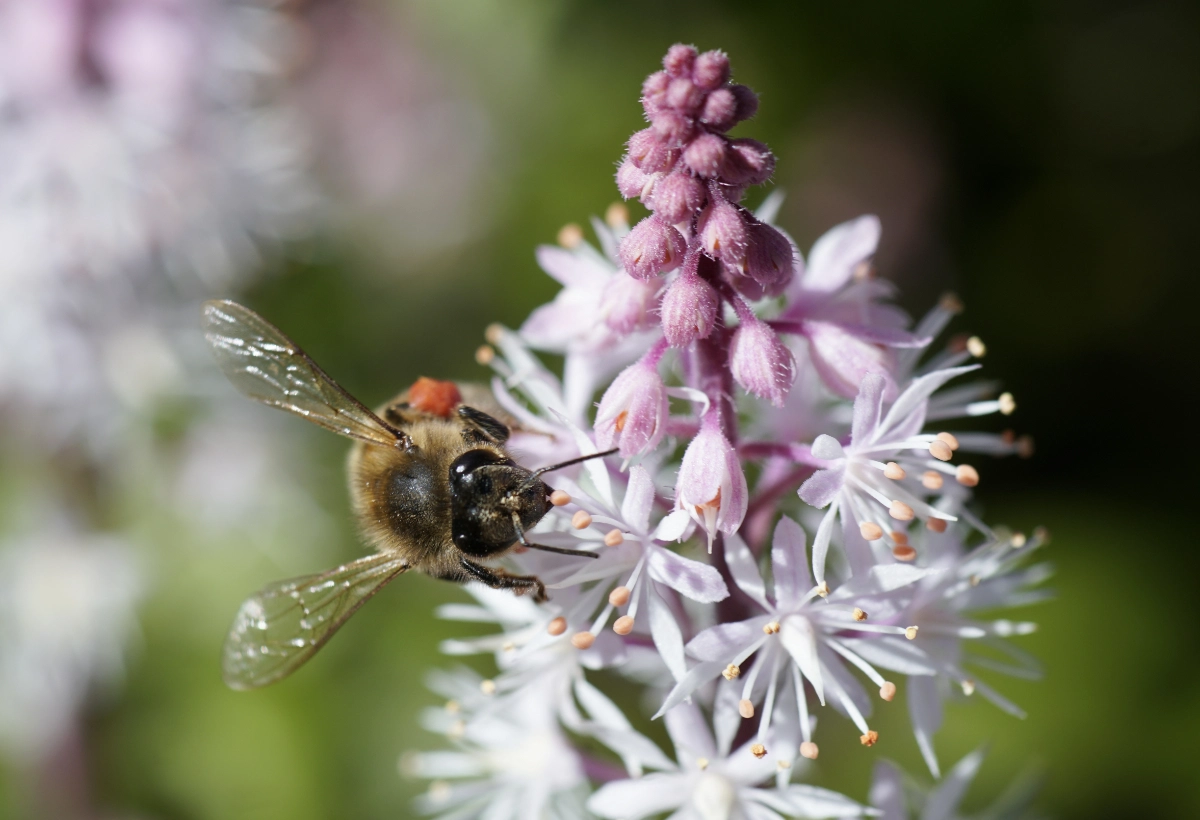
pixel 373 176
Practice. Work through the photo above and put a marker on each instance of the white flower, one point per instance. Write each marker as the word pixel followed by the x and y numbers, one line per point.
pixel 898 798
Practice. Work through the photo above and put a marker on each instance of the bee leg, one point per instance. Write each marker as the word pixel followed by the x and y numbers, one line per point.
pixel 500 579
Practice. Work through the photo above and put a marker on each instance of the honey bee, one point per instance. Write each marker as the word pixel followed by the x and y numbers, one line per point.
pixel 432 486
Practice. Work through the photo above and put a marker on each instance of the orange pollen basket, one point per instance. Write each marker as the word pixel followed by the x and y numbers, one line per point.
pixel 434 397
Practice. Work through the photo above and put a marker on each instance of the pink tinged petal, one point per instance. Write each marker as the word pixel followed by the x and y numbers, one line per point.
pixel 639 498
pixel 827 448
pixel 821 543
pixel 726 718
pixel 789 563
pixel 689 309
pixel 858 551
pixel 896 653
pixel 912 401
pixel 887 336
pixel 724 642
pixel 925 710
pixel 594 469
pixel 608 650
pixel 627 304
pixel 644 797
pixel 842 360
pixel 668 640
pixel 633 411
pixel 799 639
pixel 745 769
pixel 813 802
pixel 868 409
pixel 761 362
pixel 673 526
pixel 689 733
pixel 554 326
pixel 697 581
pixel 696 677
pixel 744 569
pixel 610 726
pixel 836 254
pixel 573 270
pixel 711 485
pixel 823 486
pixel 843 686
pixel 887 792
pixel 942 803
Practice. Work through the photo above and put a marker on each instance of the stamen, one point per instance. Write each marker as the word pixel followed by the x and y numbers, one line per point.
pixel 973 580
pixel 485 355
pixel 616 215
pixel 950 303
pixel 870 531
pixel 732 671
pixel 1018 539
pixel 494 333
pixel 967 475
pixel 976 347
pixel 783 765
pixel 758 750
pixel 931 480
pixel 809 749
pixel 1007 404
pixel 771 628
pixel 457 729
pixel 702 763
pixel 622 417
pixel 949 439
pixel 870 738
pixel 910 632
pixel 858 614
pixel 619 596
pixel 439 791
pixel 900 511
pixel 899 537
pixel 1025 447
pixel 613 538
pixel 968 687
pixel 488 687
pixel 509 646
pixel 581 520
pixel 936 524
pixel 903 552
pixel 1042 535
pixel 940 450
pixel 863 270
pixel 623 625
pixel 559 498
pixel 823 589
pixel 557 626
pixel 887 691
pixel 570 236
pixel 893 471
pixel 745 708
pixel 583 640
pixel 452 707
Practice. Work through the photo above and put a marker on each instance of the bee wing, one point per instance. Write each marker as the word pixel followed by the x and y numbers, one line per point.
pixel 284 624
pixel 269 367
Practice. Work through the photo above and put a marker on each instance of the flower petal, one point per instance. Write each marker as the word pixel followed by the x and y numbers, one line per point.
pixel 823 486
pixel 689 732
pixel 666 634
pixel 834 256
pixel 723 642
pixel 943 801
pixel 644 797
pixel 698 581
pixel 925 710
pixel 800 641
pixel 868 408
pixel 789 563
pixel 744 570
pixel 639 497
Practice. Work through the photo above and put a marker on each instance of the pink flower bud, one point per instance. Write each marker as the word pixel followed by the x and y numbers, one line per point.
pixel 748 162
pixel 723 231
pixel 671 126
pixel 720 110
pixel 683 96
pixel 679 60
pixel 678 196
pixel 705 155
pixel 711 485
pixel 633 411
pixel 633 182
pixel 652 247
pixel 747 102
pixel 654 92
pixel 650 153
pixel 711 70
pixel 771 261
pixel 689 309
pixel 627 304
pixel 761 362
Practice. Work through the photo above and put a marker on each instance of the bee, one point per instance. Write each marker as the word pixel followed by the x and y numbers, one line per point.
pixel 432 487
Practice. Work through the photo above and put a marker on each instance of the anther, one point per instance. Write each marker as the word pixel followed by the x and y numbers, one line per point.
pixel 616 215
pixel 702 763
pixel 488 687
pixel 509 646
pixel 823 589
pixel 950 303
pixel 899 537
pixel 870 738
pixel 858 614
pixel 931 480
pixel 1007 403
pixel 623 625
pixel 622 417
pixel 976 347
pixel 771 628
pixel 900 511
pixel 439 791
pixel 570 236
pixel 1025 447
pixel 457 729
pixel 887 691
pixel 973 580
pixel 758 750
pixel 558 498
pixel 783 765
pixel 557 626
pixel 863 271
pixel 968 687
pixel 494 333
pixel 910 632
pixel 619 596
pixel 613 538
pixel 731 671
pixel 949 439
pixel 452 707
pixel 870 531
pixel 583 640
pixel 1018 539
pixel 745 708
pixel 581 520
pixel 809 749
pixel 903 552
pixel 893 471
pixel 967 475
pixel 1042 535
pixel 485 354
pixel 936 524
pixel 940 450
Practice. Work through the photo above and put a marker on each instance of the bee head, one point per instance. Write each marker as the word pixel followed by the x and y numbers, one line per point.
pixel 486 489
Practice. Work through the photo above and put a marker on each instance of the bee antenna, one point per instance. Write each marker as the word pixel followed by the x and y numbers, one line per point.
pixel 541 470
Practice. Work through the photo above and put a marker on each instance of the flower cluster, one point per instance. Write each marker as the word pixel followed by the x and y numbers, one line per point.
pixel 849 434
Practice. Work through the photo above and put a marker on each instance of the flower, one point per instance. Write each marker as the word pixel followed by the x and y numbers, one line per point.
pixel 711 485
pixel 899 799
pixel 633 411
pixel 760 362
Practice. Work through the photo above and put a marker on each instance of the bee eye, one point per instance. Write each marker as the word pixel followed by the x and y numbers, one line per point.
pixel 472 460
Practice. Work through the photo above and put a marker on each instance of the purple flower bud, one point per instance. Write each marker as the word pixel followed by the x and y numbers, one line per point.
pixel 654 92
pixel 627 304
pixel 684 96
pixel 771 261
pixel 650 153
pixel 633 411
pixel 761 362
pixel 711 485
pixel 711 70
pixel 720 110
pixel 747 287
pixel 689 309
pixel 678 196
pixel 749 162
pixel 679 60
pixel 705 155
pixel 747 102
pixel 652 247
pixel 632 182
pixel 723 231
pixel 671 126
